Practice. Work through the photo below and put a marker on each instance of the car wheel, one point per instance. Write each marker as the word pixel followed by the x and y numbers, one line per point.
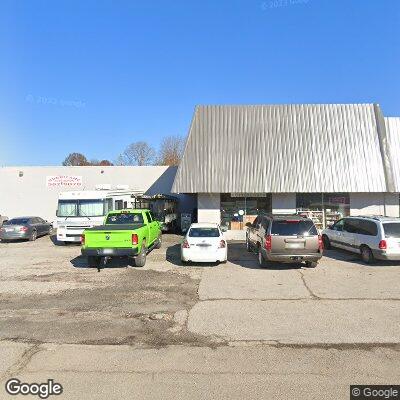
pixel 367 255
pixel 326 242
pixel 93 261
pixel 248 247
pixel 158 243
pixel 33 236
pixel 311 264
pixel 140 260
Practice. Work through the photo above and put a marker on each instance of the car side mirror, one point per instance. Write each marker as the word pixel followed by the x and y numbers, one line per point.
pixel 224 228
pixel 249 224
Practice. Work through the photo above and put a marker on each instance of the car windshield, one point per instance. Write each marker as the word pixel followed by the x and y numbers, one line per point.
pixel 67 208
pixel 91 208
pixel 124 218
pixel 204 232
pixel 392 229
pixel 81 208
pixel 293 228
pixel 17 221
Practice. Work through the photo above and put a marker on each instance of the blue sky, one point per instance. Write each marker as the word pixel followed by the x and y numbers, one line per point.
pixel 94 76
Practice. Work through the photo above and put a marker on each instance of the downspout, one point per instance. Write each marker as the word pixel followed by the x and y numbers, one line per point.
pixel 385 154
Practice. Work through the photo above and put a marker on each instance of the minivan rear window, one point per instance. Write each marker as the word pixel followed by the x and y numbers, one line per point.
pixel 204 232
pixel 392 229
pixel 293 228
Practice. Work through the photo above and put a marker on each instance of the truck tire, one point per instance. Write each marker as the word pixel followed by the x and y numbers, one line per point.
pixel 158 243
pixel 140 260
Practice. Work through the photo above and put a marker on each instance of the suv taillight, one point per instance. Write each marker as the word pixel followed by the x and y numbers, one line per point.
pixel 222 244
pixel 82 239
pixel 185 244
pixel 135 239
pixel 268 242
pixel 383 245
pixel 320 243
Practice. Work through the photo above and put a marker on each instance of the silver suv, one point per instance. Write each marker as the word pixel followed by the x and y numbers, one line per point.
pixel 285 239
pixel 373 237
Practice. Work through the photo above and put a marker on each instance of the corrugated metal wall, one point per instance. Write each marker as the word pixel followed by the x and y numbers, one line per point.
pixel 393 136
pixel 282 148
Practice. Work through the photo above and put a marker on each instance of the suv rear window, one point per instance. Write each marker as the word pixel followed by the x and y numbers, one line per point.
pixel 204 232
pixel 392 229
pixel 293 228
pixel 128 218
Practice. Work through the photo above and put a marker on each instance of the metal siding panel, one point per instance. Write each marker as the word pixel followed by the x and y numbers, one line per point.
pixel 282 148
pixel 393 136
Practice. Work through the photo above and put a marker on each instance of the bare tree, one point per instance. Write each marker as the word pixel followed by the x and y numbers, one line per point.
pixel 106 163
pixel 137 153
pixel 75 159
pixel 171 150
pixel 102 163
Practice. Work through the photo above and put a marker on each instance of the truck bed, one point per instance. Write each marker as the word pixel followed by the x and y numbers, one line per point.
pixel 121 227
pixel 111 236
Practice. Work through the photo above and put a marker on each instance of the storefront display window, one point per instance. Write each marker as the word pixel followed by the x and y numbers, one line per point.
pixel 237 211
pixel 323 208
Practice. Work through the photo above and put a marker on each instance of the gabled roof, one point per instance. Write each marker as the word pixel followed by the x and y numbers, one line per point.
pixel 285 148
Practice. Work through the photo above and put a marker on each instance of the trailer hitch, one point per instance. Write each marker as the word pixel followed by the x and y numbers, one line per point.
pixel 103 263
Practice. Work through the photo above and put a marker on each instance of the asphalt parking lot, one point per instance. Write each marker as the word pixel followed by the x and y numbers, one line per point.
pixel 173 331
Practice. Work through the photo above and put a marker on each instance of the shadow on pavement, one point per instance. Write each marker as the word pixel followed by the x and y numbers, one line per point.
pixel 348 256
pixel 115 262
pixel 173 255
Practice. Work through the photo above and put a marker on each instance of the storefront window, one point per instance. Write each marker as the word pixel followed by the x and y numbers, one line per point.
pixel 237 211
pixel 323 208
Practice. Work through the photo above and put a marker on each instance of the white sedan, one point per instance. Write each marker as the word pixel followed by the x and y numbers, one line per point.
pixel 204 242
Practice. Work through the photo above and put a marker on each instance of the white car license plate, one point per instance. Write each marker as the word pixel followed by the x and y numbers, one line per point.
pixel 9 229
pixel 107 251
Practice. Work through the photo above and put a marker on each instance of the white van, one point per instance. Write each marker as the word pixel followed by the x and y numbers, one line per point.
pixel 373 237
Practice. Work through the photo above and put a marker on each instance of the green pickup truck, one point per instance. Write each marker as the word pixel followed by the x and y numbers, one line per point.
pixel 124 233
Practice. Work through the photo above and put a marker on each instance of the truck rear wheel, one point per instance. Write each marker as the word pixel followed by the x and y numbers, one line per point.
pixel 158 243
pixel 140 260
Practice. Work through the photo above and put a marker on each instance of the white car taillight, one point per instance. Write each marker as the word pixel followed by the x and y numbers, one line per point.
pixel 222 244
pixel 185 244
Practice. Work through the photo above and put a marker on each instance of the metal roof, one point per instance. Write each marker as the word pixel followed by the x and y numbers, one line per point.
pixel 285 148
pixel 393 138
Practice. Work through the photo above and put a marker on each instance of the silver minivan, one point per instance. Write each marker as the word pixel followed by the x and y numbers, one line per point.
pixel 373 237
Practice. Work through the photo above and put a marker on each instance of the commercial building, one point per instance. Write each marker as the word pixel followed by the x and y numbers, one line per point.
pixel 321 160
pixel 35 190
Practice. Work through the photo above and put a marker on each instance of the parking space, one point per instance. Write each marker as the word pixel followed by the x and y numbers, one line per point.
pixel 51 299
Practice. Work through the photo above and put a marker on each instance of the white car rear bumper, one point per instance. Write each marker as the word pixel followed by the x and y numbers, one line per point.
pixel 204 255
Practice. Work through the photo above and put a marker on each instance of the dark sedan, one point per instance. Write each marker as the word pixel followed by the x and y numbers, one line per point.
pixel 24 228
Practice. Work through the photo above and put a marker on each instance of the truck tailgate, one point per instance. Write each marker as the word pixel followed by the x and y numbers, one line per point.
pixel 110 236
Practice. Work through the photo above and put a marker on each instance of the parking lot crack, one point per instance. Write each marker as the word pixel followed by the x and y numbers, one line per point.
pixel 312 294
